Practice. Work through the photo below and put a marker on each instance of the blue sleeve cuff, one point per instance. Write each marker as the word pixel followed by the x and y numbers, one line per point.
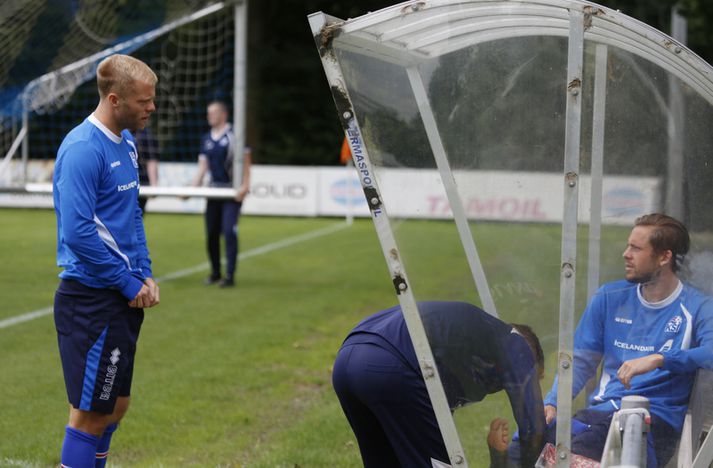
pixel 131 288
pixel 677 361
pixel 681 361
pixel 144 265
pixel 551 397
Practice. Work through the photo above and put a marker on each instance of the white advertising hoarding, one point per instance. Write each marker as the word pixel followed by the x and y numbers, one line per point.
pixel 274 190
pixel 513 196
pixel 408 193
pixel 283 191
pixel 340 192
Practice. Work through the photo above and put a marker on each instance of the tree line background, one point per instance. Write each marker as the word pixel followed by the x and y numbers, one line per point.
pixel 291 114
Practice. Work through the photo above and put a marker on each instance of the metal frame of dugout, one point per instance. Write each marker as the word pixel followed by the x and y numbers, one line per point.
pixel 409 33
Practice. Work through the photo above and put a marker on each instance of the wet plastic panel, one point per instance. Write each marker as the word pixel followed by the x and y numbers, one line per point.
pixel 463 108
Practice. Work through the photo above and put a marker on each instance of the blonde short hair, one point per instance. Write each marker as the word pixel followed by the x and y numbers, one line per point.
pixel 117 72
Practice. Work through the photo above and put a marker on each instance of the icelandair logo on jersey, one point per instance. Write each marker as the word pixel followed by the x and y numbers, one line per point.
pixel 633 347
pixel 129 186
pixel 110 374
pixel 674 324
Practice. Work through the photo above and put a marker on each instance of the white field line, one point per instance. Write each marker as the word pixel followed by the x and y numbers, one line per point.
pixel 20 463
pixel 25 317
pixel 9 322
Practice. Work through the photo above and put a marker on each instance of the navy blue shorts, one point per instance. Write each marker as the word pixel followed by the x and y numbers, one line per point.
pixel 97 333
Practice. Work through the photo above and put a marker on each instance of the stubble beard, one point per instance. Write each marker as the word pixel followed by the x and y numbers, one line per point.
pixel 645 278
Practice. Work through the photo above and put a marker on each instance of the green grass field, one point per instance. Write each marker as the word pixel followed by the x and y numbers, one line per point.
pixel 241 377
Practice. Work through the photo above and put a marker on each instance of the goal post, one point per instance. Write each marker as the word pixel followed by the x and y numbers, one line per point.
pixel 198 52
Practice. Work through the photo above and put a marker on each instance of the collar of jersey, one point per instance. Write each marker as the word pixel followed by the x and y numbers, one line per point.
pixel 109 134
pixel 227 130
pixel 662 303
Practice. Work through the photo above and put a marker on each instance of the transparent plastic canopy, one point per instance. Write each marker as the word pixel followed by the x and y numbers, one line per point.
pixel 505 149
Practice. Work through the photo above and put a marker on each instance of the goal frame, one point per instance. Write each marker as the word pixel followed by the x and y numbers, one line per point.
pixel 50 81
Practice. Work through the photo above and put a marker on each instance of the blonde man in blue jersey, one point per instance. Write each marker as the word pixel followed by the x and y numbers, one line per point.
pixel 652 332
pixel 106 280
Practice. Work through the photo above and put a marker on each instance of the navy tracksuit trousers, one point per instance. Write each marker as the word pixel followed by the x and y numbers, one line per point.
pixel 221 217
pixel 387 405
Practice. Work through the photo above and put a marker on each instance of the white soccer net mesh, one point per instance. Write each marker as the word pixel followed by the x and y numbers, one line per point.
pixel 49 51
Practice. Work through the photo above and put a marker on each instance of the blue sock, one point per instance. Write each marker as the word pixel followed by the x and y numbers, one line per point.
pixel 103 446
pixel 78 449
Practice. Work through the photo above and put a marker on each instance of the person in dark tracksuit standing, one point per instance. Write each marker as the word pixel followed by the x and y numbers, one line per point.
pixel 381 389
pixel 221 216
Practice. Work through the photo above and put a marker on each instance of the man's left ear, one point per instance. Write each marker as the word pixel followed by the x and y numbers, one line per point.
pixel 666 258
pixel 113 99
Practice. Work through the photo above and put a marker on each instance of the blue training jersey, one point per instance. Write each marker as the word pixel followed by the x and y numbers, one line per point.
pixel 100 232
pixel 620 325
pixel 476 354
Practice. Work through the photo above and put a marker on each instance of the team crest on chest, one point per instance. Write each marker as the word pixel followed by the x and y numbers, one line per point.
pixel 134 159
pixel 674 324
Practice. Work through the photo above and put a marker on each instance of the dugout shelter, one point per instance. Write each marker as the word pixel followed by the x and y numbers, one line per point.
pixel 535 132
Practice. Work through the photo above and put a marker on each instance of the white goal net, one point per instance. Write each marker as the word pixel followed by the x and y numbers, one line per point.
pixel 49 51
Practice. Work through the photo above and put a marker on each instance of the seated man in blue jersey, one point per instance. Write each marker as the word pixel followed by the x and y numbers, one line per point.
pixel 382 392
pixel 652 332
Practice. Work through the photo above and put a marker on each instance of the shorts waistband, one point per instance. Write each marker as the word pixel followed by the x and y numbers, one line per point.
pixel 74 287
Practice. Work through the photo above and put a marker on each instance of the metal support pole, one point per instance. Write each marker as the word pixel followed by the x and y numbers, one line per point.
pixel 625 446
pixel 449 183
pixel 5 163
pixel 349 217
pixel 215 193
pixel 597 169
pixel 675 198
pixel 324 29
pixel 25 145
pixel 704 458
pixel 575 57
pixel 632 439
pixel 239 89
